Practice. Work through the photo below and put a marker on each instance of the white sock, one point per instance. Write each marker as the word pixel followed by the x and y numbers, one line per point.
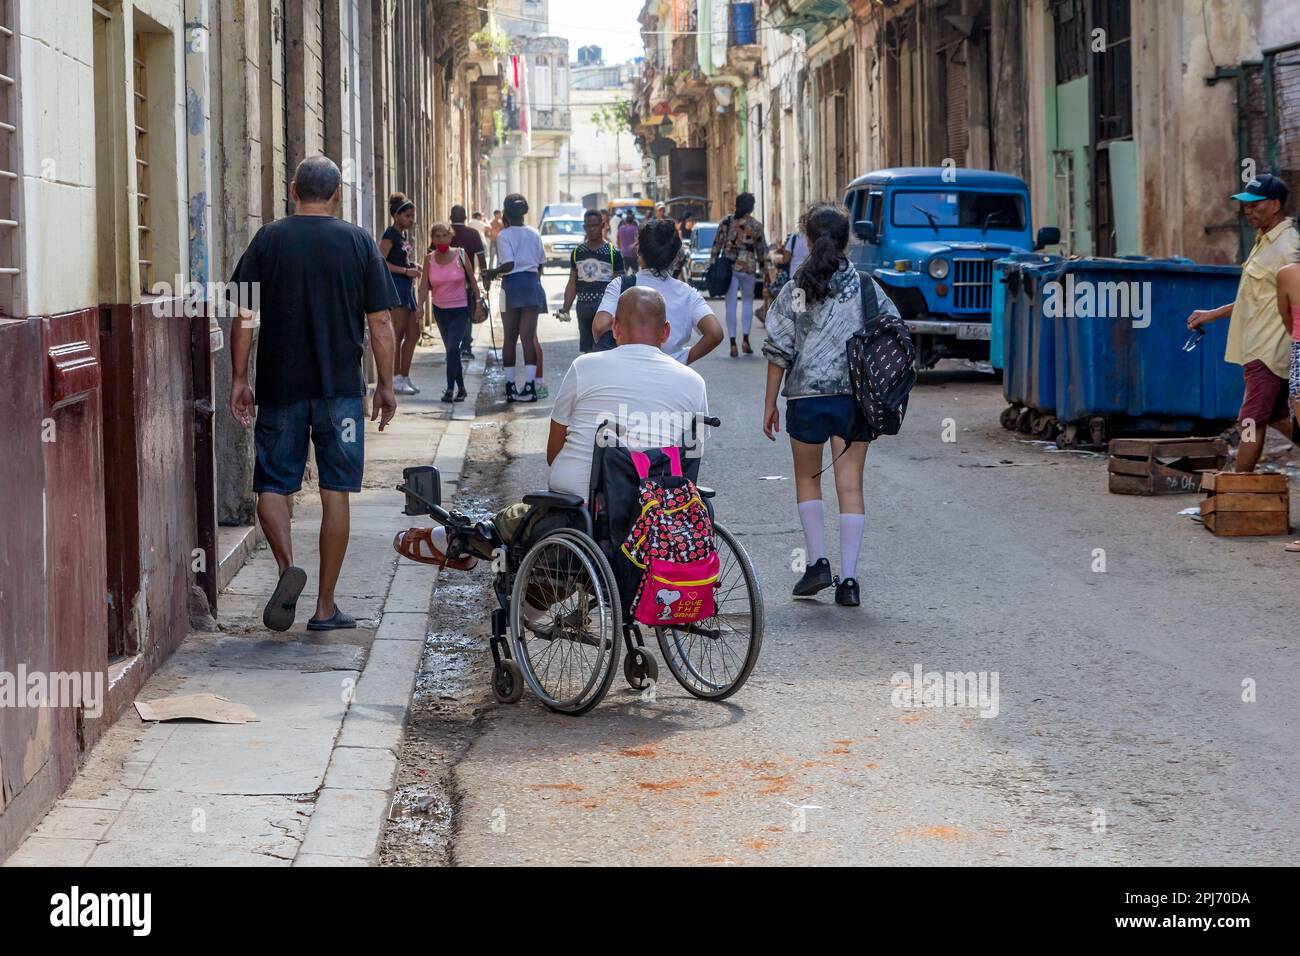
pixel 850 543
pixel 530 373
pixel 813 518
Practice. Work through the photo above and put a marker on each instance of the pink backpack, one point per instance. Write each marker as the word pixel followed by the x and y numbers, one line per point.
pixel 671 541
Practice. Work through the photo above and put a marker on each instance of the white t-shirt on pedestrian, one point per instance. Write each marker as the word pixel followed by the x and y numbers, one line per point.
pixel 653 397
pixel 686 307
pixel 521 245
pixel 798 251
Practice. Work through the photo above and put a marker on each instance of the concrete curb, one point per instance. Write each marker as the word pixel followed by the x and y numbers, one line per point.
pixel 347 825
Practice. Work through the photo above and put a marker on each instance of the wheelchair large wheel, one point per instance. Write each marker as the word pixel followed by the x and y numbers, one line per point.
pixel 712 658
pixel 566 624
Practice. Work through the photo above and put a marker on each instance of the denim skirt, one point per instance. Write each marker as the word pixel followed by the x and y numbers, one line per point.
pixel 522 290
pixel 405 287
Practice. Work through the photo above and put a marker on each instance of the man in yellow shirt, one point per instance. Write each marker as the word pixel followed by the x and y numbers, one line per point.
pixel 1257 339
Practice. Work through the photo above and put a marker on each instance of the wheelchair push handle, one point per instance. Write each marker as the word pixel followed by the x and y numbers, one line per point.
pixel 619 430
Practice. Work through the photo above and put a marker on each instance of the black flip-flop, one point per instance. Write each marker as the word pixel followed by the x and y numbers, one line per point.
pixel 338 621
pixel 280 609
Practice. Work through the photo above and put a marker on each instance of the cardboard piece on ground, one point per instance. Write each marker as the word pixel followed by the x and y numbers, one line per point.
pixel 209 707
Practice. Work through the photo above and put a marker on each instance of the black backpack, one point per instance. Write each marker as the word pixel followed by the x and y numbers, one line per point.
pixel 882 366
pixel 606 341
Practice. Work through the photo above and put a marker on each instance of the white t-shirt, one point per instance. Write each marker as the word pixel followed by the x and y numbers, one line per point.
pixel 798 251
pixel 652 396
pixel 686 308
pixel 521 245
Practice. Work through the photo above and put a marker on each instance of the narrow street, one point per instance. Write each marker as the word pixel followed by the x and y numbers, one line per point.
pixel 1120 734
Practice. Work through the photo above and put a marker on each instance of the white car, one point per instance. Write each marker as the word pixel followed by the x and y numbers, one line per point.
pixel 560 236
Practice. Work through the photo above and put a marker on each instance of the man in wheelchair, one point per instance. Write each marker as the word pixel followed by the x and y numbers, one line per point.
pixel 657 401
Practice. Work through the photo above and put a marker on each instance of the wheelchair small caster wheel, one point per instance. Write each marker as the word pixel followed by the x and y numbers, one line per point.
pixel 507 682
pixel 640 668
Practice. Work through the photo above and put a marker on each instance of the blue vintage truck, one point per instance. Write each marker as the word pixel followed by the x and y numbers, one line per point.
pixel 929 236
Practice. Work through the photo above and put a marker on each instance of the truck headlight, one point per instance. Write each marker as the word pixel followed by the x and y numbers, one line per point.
pixel 938 268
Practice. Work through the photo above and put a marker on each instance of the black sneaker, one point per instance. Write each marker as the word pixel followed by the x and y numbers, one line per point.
pixel 817 577
pixel 511 395
pixel 467 353
pixel 448 397
pixel 461 394
pixel 846 593
pixel 528 393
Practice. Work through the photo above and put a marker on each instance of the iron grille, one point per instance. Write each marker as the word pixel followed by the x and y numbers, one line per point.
pixel 971 289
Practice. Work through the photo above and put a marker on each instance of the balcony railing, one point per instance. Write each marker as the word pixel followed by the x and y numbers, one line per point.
pixel 551 119
pixel 542 119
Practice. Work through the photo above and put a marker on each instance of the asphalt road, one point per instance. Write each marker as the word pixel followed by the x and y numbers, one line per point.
pixel 1120 734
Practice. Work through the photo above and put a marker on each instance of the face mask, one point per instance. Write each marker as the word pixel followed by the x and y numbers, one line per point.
pixel 443 247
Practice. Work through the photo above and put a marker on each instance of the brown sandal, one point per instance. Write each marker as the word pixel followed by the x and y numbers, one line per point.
pixel 417 545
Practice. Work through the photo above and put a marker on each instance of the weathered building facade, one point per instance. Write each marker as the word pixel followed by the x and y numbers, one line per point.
pixel 1131 121
pixel 599 162
pixel 535 119
pixel 142 144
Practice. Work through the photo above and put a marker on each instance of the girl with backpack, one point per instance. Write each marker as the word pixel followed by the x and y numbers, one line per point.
pixel 740 240
pixel 808 324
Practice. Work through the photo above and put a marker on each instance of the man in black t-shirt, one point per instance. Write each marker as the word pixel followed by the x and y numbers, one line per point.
pixel 317 280
pixel 467 237
pixel 592 266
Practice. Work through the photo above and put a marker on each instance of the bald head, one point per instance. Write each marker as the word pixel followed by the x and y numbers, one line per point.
pixel 641 318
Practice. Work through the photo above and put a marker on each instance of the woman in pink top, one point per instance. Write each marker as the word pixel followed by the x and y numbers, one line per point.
pixel 1288 303
pixel 446 276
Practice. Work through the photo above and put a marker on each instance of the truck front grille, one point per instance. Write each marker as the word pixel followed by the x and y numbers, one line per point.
pixel 971 284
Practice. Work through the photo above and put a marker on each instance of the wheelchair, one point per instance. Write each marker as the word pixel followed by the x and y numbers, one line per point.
pixel 563 588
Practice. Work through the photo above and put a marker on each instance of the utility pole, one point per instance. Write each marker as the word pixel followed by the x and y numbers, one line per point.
pixel 618 162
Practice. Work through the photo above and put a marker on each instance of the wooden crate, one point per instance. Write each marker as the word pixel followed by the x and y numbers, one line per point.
pixel 1163 466
pixel 1246 504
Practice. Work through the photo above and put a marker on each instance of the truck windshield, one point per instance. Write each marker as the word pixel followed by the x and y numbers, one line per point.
pixel 960 210
pixel 702 238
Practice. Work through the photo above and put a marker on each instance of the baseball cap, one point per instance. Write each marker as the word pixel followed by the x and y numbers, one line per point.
pixel 1263 186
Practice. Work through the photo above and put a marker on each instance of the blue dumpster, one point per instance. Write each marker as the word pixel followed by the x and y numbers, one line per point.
pixel 1028 346
pixel 1119 326
pixel 998 302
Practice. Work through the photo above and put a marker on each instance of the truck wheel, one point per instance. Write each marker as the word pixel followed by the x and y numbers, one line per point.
pixel 918 353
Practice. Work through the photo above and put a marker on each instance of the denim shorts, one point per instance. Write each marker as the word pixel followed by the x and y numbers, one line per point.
pixel 336 426
pixel 814 419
